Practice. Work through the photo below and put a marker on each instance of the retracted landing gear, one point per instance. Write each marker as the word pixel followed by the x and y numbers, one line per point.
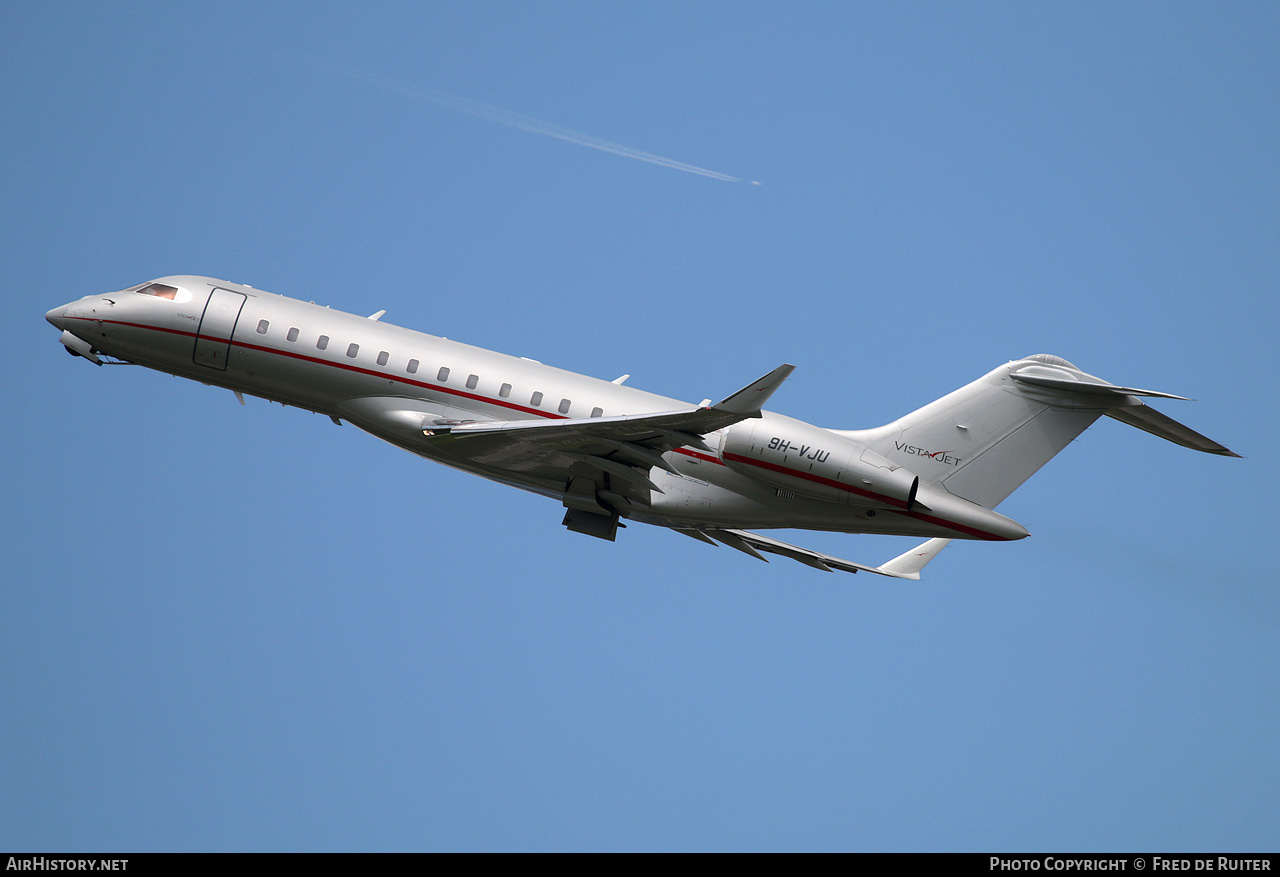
pixel 592 524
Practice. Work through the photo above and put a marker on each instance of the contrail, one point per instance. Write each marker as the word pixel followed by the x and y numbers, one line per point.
pixel 532 125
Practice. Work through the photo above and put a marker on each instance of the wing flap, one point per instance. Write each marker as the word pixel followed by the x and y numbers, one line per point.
pixel 626 447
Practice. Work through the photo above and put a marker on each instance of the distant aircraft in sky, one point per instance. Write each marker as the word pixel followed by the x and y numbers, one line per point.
pixel 608 452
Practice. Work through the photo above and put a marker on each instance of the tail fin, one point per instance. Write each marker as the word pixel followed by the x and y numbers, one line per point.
pixel 983 440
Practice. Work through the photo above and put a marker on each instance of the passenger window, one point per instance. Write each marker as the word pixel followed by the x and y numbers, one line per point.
pixel 353 350
pixel 293 334
pixel 536 399
pixel 443 375
pixel 504 391
pixel 262 327
pixel 564 406
pixel 382 358
pixel 472 380
pixel 597 412
pixel 322 342
pixel 412 367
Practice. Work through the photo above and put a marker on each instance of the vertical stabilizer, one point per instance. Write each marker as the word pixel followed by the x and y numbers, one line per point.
pixel 985 439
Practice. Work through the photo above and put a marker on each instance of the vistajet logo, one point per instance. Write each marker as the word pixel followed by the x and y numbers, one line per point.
pixel 940 456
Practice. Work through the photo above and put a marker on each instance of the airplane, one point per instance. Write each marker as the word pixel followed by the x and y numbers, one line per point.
pixel 609 452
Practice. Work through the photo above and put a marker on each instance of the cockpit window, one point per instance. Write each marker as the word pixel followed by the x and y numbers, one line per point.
pixel 159 290
pixel 165 291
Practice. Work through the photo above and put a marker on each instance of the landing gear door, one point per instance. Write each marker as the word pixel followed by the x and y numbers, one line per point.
pixel 213 338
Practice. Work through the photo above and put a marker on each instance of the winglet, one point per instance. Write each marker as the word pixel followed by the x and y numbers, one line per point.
pixel 908 565
pixel 905 566
pixel 748 401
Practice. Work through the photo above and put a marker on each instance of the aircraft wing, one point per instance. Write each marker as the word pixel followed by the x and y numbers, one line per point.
pixel 612 453
pixel 905 566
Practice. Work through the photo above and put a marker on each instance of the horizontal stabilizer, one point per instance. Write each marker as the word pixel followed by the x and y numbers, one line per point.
pixel 904 566
pixel 1150 420
pixel 1088 386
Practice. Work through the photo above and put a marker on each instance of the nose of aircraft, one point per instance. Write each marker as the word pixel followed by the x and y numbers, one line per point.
pixel 58 316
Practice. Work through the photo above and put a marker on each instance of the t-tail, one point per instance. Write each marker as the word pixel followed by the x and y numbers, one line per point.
pixel 983 440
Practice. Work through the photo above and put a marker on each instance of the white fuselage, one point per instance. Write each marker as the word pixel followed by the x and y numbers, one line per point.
pixel 335 363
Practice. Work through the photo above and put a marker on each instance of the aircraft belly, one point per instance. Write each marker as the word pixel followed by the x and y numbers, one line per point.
pixel 553 488
pixel 731 500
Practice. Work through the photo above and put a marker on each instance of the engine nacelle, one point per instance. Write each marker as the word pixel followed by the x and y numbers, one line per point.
pixel 817 463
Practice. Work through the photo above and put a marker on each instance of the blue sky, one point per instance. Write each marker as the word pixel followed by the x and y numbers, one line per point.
pixel 231 628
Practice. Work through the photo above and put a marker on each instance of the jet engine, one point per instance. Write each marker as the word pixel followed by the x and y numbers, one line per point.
pixel 817 463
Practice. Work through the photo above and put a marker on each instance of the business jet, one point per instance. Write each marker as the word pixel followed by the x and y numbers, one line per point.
pixel 609 452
